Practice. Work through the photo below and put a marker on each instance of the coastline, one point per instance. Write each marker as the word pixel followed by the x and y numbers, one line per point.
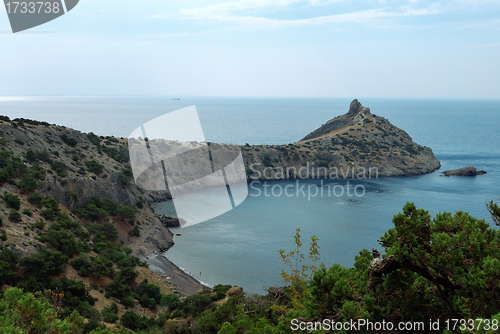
pixel 184 281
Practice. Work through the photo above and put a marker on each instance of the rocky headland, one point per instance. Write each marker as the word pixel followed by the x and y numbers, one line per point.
pixel 358 144
pixel 355 143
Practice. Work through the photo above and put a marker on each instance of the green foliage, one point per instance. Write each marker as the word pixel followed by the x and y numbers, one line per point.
pixel 52 209
pixel 97 209
pixel 31 313
pixel 195 304
pixel 27 212
pixel 299 273
pixel 117 289
pixel 82 264
pixel 245 315
pixel 221 290
pixel 44 264
pixel 110 313
pixel 29 183
pixel 134 322
pixel 94 167
pixel 171 301
pixel 128 301
pixel 94 139
pixel 8 262
pixel 135 232
pixel 61 239
pixel 15 216
pixel 101 266
pixel 103 232
pixel 494 210
pixel 21 122
pixel 113 153
pixel 73 195
pixel 446 267
pixel 127 275
pixel 40 224
pixel 59 167
pixel 12 201
pixel 150 291
pixel 30 156
pixel 126 176
pixel 227 328
pixel 68 140
pixel 35 198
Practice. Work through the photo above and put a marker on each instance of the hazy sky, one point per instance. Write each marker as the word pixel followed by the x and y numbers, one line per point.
pixel 324 48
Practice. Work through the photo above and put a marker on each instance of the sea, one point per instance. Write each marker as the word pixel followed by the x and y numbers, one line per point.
pixel 240 247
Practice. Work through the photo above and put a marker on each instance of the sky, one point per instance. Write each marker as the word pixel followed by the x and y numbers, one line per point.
pixel 262 48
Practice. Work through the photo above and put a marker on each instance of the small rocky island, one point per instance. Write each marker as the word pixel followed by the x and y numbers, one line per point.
pixel 464 171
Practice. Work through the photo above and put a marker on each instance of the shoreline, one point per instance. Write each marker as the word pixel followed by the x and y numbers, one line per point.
pixel 184 281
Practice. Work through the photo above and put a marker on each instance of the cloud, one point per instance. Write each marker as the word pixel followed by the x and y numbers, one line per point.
pixel 234 6
pixel 259 22
pixel 248 14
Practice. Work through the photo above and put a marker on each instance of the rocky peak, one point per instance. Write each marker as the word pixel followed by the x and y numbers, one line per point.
pixel 356 114
pixel 356 108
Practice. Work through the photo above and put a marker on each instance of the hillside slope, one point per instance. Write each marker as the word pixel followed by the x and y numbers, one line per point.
pixel 77 168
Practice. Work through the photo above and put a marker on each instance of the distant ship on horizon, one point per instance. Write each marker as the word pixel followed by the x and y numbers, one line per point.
pixel 176 99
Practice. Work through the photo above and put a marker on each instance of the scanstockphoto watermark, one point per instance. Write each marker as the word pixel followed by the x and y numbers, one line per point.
pixel 25 15
pixel 310 171
pixel 170 153
pixel 308 191
pixel 326 187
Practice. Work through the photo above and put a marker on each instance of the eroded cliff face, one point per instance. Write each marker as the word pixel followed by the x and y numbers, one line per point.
pixel 81 167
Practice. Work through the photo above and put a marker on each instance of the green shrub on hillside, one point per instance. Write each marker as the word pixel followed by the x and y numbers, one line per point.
pixel 94 139
pixel 135 232
pixel 97 209
pixel 68 140
pixel 15 216
pixel 32 313
pixel 110 313
pixel 52 209
pixel 126 176
pixel 12 201
pixel 59 167
pixel 8 262
pixel 44 264
pixel 35 198
pixel 94 167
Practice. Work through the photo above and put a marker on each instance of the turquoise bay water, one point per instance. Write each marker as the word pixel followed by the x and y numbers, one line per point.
pixel 241 246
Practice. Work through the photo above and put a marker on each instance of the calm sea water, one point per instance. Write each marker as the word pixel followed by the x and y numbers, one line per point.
pixel 241 246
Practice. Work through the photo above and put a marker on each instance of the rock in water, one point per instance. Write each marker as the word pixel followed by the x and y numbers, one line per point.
pixel 464 171
pixel 168 221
